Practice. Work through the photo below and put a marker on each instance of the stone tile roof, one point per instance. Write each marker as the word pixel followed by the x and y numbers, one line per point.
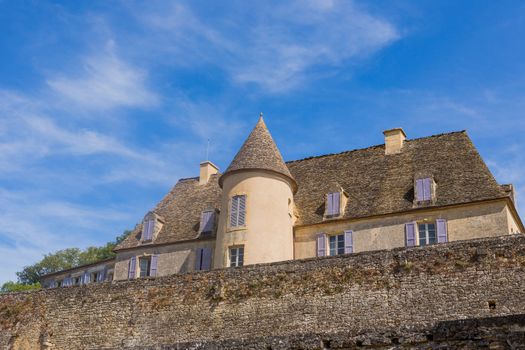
pixel 375 183
pixel 180 210
pixel 380 184
pixel 109 261
pixel 259 152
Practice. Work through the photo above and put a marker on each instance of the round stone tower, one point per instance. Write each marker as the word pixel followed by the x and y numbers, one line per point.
pixel 256 219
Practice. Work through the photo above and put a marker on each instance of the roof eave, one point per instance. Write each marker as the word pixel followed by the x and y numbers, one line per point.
pixel 290 179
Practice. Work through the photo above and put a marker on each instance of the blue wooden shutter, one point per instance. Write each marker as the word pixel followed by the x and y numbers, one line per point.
pixel 198 259
pixel 329 204
pixel 153 266
pixel 442 230
pixel 419 190
pixel 102 275
pixel 242 211
pixel 207 221
pixel 426 189
pixel 148 229
pixel 321 244
pixel 410 234
pixel 145 227
pixel 349 241
pixel 234 210
pixel 132 265
pixel 337 203
pixel 85 278
pixel 206 259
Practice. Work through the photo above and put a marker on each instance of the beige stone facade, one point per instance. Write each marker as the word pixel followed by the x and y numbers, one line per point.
pixel 469 221
pixel 101 271
pixel 267 235
pixel 172 258
pixel 404 193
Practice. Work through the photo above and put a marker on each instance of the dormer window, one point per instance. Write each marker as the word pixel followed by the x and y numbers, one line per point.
pixel 148 228
pixel 336 201
pixel 424 189
pixel 333 204
pixel 151 225
pixel 207 224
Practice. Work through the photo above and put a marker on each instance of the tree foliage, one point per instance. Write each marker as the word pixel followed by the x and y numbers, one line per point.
pixel 66 259
pixel 11 286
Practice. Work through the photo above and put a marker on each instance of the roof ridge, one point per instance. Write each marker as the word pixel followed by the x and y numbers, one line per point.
pixel 371 147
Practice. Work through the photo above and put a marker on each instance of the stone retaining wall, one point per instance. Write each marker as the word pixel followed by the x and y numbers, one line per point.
pixel 400 298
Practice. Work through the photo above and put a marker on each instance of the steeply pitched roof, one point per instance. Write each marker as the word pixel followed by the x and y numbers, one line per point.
pixel 259 152
pixel 380 184
pixel 181 209
pixel 375 183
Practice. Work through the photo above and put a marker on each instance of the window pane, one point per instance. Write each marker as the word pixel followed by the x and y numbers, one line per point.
pixel 144 267
pixel 332 242
pixel 432 238
pixel 241 257
pixel 341 244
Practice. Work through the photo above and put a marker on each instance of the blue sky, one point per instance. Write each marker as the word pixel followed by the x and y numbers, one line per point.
pixel 105 105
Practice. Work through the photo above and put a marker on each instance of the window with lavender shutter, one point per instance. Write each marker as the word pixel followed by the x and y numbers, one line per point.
pixel 419 190
pixel 238 211
pixel 349 241
pixel 333 204
pixel 151 228
pixel 198 259
pixel 321 244
pixel 329 204
pixel 144 230
pixel 206 259
pixel 442 235
pixel 242 211
pixel 207 221
pixel 153 266
pixel 427 195
pixel 336 198
pixel 85 278
pixel 101 276
pixel 410 234
pixel 132 265
pixel 424 189
pixel 234 207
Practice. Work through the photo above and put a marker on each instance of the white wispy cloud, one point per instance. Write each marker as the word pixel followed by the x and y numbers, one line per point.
pixel 32 225
pixel 105 81
pixel 278 47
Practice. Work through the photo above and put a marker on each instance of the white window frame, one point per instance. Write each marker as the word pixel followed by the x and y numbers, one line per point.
pixel 426 233
pixel 236 249
pixel 338 241
pixel 139 268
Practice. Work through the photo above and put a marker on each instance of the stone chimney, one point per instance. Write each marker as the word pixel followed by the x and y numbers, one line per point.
pixel 394 140
pixel 207 170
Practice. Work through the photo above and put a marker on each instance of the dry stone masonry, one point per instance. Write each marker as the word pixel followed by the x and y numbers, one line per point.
pixel 467 294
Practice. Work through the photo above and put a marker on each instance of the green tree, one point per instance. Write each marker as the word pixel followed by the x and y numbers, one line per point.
pixel 11 286
pixel 60 260
pixel 66 259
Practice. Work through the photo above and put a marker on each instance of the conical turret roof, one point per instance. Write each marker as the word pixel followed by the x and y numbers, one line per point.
pixel 259 152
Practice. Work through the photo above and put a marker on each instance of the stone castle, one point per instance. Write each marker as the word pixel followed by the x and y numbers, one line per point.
pixel 407 245
pixel 404 193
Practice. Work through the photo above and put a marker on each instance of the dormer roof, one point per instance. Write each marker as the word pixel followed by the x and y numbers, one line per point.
pixel 259 152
